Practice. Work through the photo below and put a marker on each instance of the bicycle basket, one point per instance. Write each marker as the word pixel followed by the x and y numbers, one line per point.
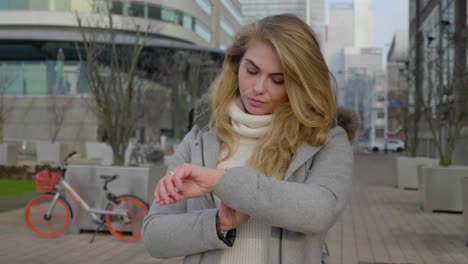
pixel 46 180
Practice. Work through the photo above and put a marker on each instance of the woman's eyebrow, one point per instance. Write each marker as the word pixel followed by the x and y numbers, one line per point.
pixel 251 62
pixel 255 65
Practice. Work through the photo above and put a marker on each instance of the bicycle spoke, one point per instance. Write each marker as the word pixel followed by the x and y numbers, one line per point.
pixel 51 229
pixel 40 208
pixel 135 228
pixel 137 216
pixel 123 227
pixel 61 217
pixel 40 219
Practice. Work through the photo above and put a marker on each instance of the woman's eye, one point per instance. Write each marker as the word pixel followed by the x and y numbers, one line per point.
pixel 279 82
pixel 251 71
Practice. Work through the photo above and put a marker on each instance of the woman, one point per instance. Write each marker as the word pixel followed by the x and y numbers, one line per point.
pixel 266 179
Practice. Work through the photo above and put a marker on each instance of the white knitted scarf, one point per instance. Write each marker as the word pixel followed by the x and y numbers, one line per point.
pixel 252 237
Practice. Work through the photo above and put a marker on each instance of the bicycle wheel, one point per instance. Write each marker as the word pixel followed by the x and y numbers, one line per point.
pixel 53 225
pixel 127 229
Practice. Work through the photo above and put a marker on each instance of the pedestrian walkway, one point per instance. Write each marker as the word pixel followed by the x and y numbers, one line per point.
pixel 385 225
pixel 381 225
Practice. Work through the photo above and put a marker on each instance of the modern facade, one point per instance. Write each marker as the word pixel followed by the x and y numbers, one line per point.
pixel 363 24
pixel 363 74
pixel 357 66
pixel 311 11
pixel 37 44
pixel 340 35
pixel 397 85
pixel 349 29
pixel 437 62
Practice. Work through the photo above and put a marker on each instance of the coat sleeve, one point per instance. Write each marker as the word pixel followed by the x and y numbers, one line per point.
pixel 308 207
pixel 170 230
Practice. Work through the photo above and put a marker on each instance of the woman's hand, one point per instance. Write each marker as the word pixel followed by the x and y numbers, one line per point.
pixel 186 181
pixel 230 218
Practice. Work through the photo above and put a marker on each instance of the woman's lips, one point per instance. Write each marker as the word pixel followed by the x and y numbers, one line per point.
pixel 255 103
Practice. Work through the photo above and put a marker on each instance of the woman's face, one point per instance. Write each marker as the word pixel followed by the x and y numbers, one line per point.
pixel 261 79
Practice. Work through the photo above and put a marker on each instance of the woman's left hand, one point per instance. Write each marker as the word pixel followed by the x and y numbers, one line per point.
pixel 186 181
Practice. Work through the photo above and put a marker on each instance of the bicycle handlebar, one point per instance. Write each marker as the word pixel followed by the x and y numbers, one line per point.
pixel 63 163
pixel 69 155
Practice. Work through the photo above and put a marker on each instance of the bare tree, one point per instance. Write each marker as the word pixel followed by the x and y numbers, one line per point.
pixel 188 73
pixel 445 102
pixel 58 105
pixel 155 102
pixel 6 106
pixel 115 82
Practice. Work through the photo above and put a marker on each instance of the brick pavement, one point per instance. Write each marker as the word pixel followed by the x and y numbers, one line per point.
pixel 380 225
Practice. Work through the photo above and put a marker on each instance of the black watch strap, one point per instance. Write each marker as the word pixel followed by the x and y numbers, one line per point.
pixel 230 236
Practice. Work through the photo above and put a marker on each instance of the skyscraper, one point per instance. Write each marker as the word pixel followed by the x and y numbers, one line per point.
pixel 363 24
pixel 311 11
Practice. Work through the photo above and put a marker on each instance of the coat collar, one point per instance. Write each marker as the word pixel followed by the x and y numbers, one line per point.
pixel 303 154
pixel 210 148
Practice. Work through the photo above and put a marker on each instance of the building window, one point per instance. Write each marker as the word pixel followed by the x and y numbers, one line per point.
pixel 171 16
pixel 380 115
pixel 205 5
pixel 203 31
pixel 379 132
pixel 40 5
pixel 116 8
pixel 14 4
pixel 63 5
pixel 137 9
pixel 154 12
pixel 233 10
pixel 226 26
pixel 188 22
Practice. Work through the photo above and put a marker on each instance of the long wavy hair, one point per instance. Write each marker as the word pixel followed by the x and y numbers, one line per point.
pixel 310 110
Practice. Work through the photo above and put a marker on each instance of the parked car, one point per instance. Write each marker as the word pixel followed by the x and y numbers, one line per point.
pixel 393 144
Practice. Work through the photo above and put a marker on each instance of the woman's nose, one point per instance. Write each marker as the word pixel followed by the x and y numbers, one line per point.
pixel 259 87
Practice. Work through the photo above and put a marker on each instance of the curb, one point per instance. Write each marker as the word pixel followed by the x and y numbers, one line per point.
pixel 16 202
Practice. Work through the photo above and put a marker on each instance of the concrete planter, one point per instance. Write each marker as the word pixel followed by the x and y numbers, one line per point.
pixel 440 188
pixel 50 152
pixel 464 190
pixel 85 179
pixel 407 170
pixel 8 154
pixel 100 151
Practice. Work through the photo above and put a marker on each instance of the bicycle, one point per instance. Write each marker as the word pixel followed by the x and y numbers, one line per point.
pixel 50 214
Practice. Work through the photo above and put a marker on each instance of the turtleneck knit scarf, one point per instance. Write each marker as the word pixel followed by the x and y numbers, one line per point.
pixel 252 237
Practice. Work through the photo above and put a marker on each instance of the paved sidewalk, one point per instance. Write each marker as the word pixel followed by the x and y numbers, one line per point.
pixel 19 245
pixel 381 225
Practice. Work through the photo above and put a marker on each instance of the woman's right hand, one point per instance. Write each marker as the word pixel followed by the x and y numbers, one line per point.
pixel 230 219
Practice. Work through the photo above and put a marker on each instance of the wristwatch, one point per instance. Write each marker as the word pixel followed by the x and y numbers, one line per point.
pixel 227 237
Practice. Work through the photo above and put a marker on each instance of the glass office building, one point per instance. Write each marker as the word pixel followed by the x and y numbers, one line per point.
pixel 33 32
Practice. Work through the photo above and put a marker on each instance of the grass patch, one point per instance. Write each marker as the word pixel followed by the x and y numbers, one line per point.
pixel 12 187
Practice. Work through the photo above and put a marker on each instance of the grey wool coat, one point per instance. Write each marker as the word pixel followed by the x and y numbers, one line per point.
pixel 300 209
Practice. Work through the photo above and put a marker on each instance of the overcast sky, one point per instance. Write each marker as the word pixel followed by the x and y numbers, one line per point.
pixel 389 16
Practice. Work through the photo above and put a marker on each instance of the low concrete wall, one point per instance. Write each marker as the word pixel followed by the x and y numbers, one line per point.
pixel 441 188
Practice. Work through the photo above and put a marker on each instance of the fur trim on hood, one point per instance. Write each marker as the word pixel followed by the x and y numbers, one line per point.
pixel 349 120
pixel 345 118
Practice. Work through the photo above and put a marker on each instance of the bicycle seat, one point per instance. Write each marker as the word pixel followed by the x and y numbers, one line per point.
pixel 109 178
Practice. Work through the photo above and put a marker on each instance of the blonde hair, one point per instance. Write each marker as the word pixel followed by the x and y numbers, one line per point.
pixel 308 114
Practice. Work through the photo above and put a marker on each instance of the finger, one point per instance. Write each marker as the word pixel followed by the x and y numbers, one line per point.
pixel 178 182
pixel 156 193
pixel 163 191
pixel 170 188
